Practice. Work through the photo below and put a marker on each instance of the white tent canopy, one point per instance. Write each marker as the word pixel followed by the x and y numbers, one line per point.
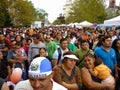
pixel 75 24
pixel 113 21
pixel 85 24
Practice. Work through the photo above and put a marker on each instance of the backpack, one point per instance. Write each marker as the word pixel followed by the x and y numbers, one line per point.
pixel 60 54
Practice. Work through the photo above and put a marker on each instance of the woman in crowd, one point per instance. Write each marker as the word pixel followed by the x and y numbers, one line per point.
pixel 116 47
pixel 26 45
pixel 42 53
pixel 67 73
pixel 19 39
pixel 90 82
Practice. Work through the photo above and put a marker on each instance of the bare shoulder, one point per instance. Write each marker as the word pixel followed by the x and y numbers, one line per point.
pixel 85 72
pixel 84 69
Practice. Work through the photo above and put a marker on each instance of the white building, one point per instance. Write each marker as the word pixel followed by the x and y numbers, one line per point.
pixel 36 24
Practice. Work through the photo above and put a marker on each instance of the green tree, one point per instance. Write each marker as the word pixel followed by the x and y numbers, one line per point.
pixel 60 19
pixel 56 22
pixel 90 10
pixel 4 14
pixel 23 13
pixel 112 12
pixel 41 14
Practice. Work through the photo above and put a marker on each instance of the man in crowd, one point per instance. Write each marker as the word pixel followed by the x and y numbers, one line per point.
pixel 35 46
pixel 80 53
pixel 40 77
pixel 58 54
pixel 50 46
pixel 107 54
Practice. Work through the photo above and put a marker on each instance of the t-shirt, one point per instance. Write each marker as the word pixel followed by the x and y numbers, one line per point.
pixel 60 75
pixel 51 47
pixel 3 68
pixel 102 71
pixel 108 58
pixel 72 47
pixel 34 49
pixel 25 85
pixel 80 54
pixel 56 55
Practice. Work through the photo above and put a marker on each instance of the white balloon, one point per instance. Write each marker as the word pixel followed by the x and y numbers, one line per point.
pixel 18 70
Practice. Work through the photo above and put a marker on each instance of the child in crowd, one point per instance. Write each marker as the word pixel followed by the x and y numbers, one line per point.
pixel 42 53
pixel 18 54
pixel 102 72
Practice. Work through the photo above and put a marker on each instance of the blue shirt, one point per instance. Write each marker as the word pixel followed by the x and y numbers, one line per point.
pixel 108 58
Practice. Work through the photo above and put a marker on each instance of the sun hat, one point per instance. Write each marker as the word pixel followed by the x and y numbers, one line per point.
pixel 40 67
pixel 71 56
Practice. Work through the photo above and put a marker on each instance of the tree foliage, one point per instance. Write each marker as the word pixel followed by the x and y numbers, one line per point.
pixel 56 22
pixel 4 14
pixel 90 10
pixel 23 13
pixel 112 12
pixel 19 13
pixel 41 14
pixel 60 19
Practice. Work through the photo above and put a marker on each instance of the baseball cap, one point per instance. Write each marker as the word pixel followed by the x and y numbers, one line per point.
pixel 71 56
pixel 40 67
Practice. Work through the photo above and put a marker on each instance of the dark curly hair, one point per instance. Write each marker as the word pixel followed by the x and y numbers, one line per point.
pixel 114 44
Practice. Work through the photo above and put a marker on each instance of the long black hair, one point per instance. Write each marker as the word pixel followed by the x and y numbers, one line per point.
pixel 114 44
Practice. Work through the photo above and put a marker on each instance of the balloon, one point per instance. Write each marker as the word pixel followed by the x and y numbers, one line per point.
pixel 18 70
pixel 95 24
pixel 15 77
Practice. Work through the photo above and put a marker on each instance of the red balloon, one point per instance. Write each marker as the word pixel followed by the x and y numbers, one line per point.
pixel 15 77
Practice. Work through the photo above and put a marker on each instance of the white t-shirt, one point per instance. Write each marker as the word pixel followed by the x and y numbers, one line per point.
pixel 56 54
pixel 25 85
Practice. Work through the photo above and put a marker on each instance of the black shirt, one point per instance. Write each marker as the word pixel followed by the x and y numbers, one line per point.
pixel 1 82
pixel 3 68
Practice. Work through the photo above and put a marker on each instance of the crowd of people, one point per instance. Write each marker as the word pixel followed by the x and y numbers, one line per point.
pixel 60 58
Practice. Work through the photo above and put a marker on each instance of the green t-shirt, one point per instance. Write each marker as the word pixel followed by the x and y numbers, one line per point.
pixel 71 47
pixel 51 47
pixel 80 54
pixel 57 42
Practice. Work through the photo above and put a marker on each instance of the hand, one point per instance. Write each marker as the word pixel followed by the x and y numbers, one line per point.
pixel 14 56
pixel 64 84
pixel 110 87
pixel 116 76
pixel 19 61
